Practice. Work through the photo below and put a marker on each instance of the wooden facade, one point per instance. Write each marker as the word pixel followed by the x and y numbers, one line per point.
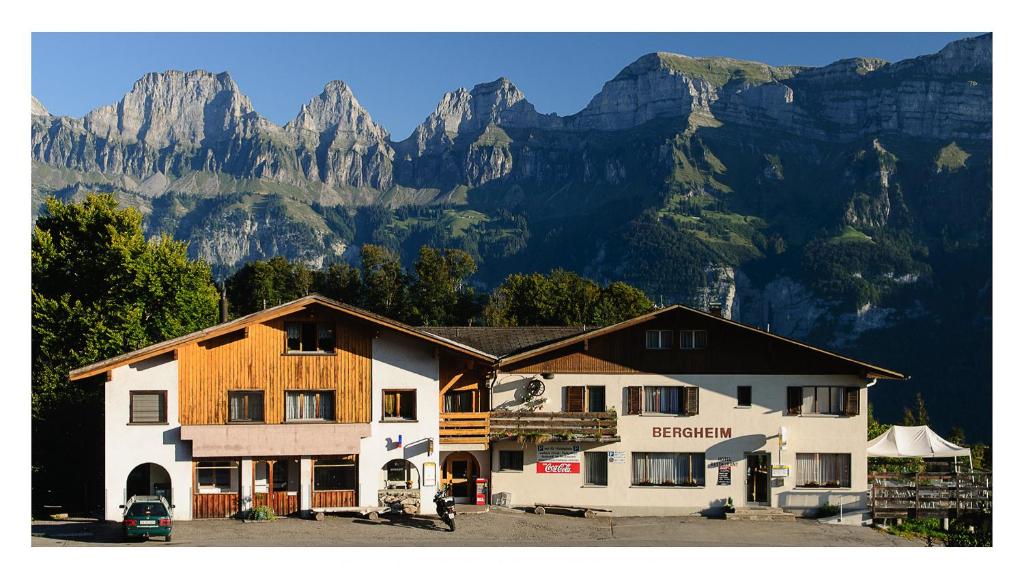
pixel 334 498
pixel 730 349
pixel 463 375
pixel 254 358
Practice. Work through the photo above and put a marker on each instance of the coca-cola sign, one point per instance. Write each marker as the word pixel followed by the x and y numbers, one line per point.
pixel 558 467
pixel 558 458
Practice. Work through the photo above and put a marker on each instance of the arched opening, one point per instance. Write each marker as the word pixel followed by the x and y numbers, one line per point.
pixel 148 479
pixel 400 474
pixel 460 473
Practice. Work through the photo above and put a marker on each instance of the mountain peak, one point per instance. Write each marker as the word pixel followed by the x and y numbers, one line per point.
pixel 38 109
pixel 173 106
pixel 336 107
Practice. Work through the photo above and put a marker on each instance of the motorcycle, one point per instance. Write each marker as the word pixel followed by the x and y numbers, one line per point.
pixel 445 505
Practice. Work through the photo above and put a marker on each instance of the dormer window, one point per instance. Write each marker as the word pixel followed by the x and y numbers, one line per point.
pixel 659 339
pixel 309 337
pixel 693 339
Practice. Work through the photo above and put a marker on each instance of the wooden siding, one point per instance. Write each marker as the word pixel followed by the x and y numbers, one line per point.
pixel 730 350
pixel 254 358
pixel 334 498
pixel 283 503
pixel 214 505
pixel 460 375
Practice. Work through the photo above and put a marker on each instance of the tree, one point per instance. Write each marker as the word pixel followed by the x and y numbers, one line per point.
pixel 385 285
pixel 562 298
pixel 99 289
pixel 917 416
pixel 341 281
pixel 440 295
pixel 266 283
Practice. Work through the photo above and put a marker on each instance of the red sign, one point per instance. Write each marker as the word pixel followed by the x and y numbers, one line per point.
pixel 558 459
pixel 558 467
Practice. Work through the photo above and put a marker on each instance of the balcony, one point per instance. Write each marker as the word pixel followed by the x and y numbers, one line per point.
pixel 464 428
pixel 541 426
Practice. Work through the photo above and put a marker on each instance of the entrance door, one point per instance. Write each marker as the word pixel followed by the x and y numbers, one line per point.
pixel 758 469
pixel 461 471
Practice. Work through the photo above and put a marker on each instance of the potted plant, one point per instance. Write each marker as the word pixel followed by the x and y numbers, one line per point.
pixel 668 483
pixel 729 507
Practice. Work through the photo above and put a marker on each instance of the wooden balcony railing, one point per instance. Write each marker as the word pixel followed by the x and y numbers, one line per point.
pixel 540 426
pixel 473 427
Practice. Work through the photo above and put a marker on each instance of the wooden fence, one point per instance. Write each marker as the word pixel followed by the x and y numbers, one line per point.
pixel 929 494
pixel 558 425
pixel 473 427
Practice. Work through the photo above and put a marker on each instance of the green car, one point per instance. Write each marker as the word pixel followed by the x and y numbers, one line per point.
pixel 147 516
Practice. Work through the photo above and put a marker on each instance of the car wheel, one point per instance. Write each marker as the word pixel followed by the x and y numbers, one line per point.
pixel 167 538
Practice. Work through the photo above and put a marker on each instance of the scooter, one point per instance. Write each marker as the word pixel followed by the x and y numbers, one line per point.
pixel 445 505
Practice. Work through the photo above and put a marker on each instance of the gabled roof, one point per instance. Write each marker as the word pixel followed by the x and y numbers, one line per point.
pixel 502 341
pixel 872 370
pixel 267 314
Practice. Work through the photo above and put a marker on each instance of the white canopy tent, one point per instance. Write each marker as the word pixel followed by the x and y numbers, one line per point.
pixel 915 442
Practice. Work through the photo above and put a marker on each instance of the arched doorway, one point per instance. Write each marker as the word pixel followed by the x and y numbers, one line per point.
pixel 148 479
pixel 460 473
pixel 400 486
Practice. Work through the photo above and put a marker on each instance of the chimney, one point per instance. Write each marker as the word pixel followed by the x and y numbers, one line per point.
pixel 715 308
pixel 223 302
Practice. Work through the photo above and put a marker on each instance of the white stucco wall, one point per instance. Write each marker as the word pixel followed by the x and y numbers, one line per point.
pixel 753 428
pixel 128 445
pixel 400 362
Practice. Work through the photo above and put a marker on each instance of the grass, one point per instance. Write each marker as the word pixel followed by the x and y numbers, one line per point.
pixel 492 136
pixel 851 235
pixel 721 70
pixel 919 528
pixel 951 158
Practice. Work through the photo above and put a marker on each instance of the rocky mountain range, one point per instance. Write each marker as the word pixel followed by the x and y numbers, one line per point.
pixel 848 205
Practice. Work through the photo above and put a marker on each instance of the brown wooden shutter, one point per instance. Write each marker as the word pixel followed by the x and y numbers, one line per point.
pixel 794 400
pixel 574 399
pixel 852 401
pixel 634 396
pixel 692 400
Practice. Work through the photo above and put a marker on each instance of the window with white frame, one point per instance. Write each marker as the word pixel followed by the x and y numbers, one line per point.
pixel 659 339
pixel 668 469
pixel 693 339
pixel 216 474
pixel 822 470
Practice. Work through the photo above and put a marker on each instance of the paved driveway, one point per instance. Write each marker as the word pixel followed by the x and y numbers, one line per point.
pixel 486 529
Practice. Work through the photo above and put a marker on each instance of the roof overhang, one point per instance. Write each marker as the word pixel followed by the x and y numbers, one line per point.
pixel 172 345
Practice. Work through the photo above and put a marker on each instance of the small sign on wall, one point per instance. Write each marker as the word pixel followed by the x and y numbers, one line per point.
pixel 616 457
pixel 429 474
pixel 724 465
pixel 780 471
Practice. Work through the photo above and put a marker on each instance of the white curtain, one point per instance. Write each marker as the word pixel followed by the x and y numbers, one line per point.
pixel 661 399
pixel 823 470
pixel 596 468
pixel 808 403
pixel 667 468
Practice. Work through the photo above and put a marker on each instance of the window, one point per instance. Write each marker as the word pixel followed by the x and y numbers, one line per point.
pixel 578 399
pixel 743 396
pixel 458 402
pixel 669 469
pixel 400 405
pixel 147 407
pixel 400 474
pixel 335 473
pixel 672 400
pixel 309 406
pixel 309 337
pixel 829 400
pixel 216 473
pixel 693 339
pixel 822 470
pixel 510 460
pixel 595 468
pixel 659 339
pixel 245 407
pixel 280 477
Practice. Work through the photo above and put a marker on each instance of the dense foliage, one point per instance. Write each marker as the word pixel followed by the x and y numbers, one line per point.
pixel 99 289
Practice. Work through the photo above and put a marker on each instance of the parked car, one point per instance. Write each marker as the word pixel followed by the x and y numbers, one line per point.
pixel 147 516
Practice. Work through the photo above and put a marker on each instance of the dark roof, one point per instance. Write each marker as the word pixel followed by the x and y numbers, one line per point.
pixel 501 341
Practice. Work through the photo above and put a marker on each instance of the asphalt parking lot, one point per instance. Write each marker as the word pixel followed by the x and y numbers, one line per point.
pixel 485 529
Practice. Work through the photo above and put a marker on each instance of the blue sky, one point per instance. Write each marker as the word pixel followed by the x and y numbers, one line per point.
pixel 399 77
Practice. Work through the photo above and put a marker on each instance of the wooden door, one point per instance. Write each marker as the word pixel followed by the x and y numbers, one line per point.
pixel 758 469
pixel 460 473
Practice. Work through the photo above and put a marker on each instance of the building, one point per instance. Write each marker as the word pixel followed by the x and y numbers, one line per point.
pixel 316 405
pixel 675 411
pixel 309 405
